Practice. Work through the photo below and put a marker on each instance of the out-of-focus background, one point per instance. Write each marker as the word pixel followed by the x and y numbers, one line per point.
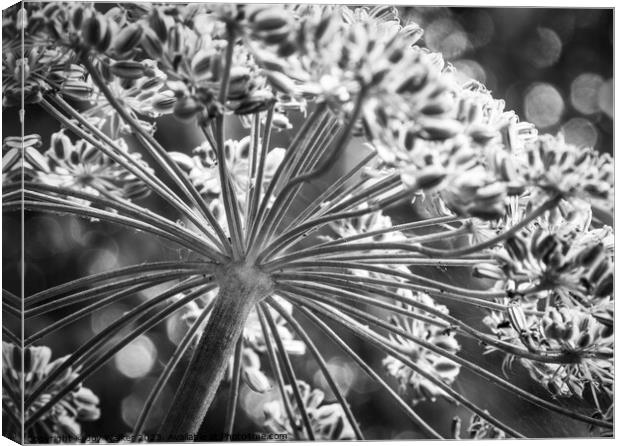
pixel 552 66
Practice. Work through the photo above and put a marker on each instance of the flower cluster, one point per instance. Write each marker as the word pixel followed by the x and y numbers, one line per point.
pixel 446 370
pixel 64 419
pixel 327 421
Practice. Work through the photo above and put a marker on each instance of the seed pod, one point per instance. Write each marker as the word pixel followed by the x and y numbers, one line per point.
pixel 269 19
pixel 569 331
pixel 447 343
pixel 258 101
pixel 605 286
pixel 186 109
pixel 183 161
pixel 599 269
pixel 584 340
pixel 158 24
pixel 517 319
pixel 96 32
pixel 151 43
pixel 427 177
pixel 482 134
pixel 545 246
pixel 164 102
pixel 445 366
pixel 485 212
pixel 128 38
pixel 439 129
pixel 553 331
pixel 281 82
pixel 77 16
pixel 127 69
pixel 35 159
pixel 256 380
pixel 488 271
pixel 201 63
pixel 589 254
pixel 75 89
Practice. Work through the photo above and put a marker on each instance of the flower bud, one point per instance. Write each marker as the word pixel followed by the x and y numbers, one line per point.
pixel 201 63
pixel 127 69
pixel 183 161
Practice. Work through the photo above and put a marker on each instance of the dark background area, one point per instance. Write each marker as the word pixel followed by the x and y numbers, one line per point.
pixel 553 67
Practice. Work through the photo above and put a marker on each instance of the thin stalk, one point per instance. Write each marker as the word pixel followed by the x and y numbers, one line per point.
pixel 282 203
pixel 413 416
pixel 288 368
pixel 297 328
pixel 277 371
pixel 128 162
pixel 114 274
pixel 255 192
pixel 483 372
pixel 62 209
pixel 99 304
pixel 127 209
pixel 441 287
pixel 406 245
pixel 233 393
pixel 339 146
pixel 328 193
pixel 438 294
pixel 72 299
pixel 240 288
pixel 163 378
pixel 385 345
pixel 158 152
pixel 552 357
pixel 546 206
pixel 89 347
pixel 118 346
pixel 231 205
pixel 312 120
pixel 372 191
pixel 356 298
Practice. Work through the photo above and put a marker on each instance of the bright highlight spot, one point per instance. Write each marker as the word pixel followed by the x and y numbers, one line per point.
pixel 543 105
pixel 137 359
pixel 580 132
pixel 584 93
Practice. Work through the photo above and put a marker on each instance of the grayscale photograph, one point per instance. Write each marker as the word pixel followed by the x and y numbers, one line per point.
pixel 306 222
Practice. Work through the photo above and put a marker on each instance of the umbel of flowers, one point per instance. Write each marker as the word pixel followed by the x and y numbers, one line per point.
pixel 528 212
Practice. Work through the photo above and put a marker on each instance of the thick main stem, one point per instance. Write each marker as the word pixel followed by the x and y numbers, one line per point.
pixel 241 287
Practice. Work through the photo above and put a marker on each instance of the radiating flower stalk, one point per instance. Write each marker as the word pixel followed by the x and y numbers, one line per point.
pixel 509 205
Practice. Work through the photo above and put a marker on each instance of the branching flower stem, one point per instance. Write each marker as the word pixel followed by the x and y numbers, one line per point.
pixel 277 371
pixel 95 365
pixel 386 345
pixel 288 368
pixel 471 366
pixel 322 365
pixel 369 371
pixel 158 152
